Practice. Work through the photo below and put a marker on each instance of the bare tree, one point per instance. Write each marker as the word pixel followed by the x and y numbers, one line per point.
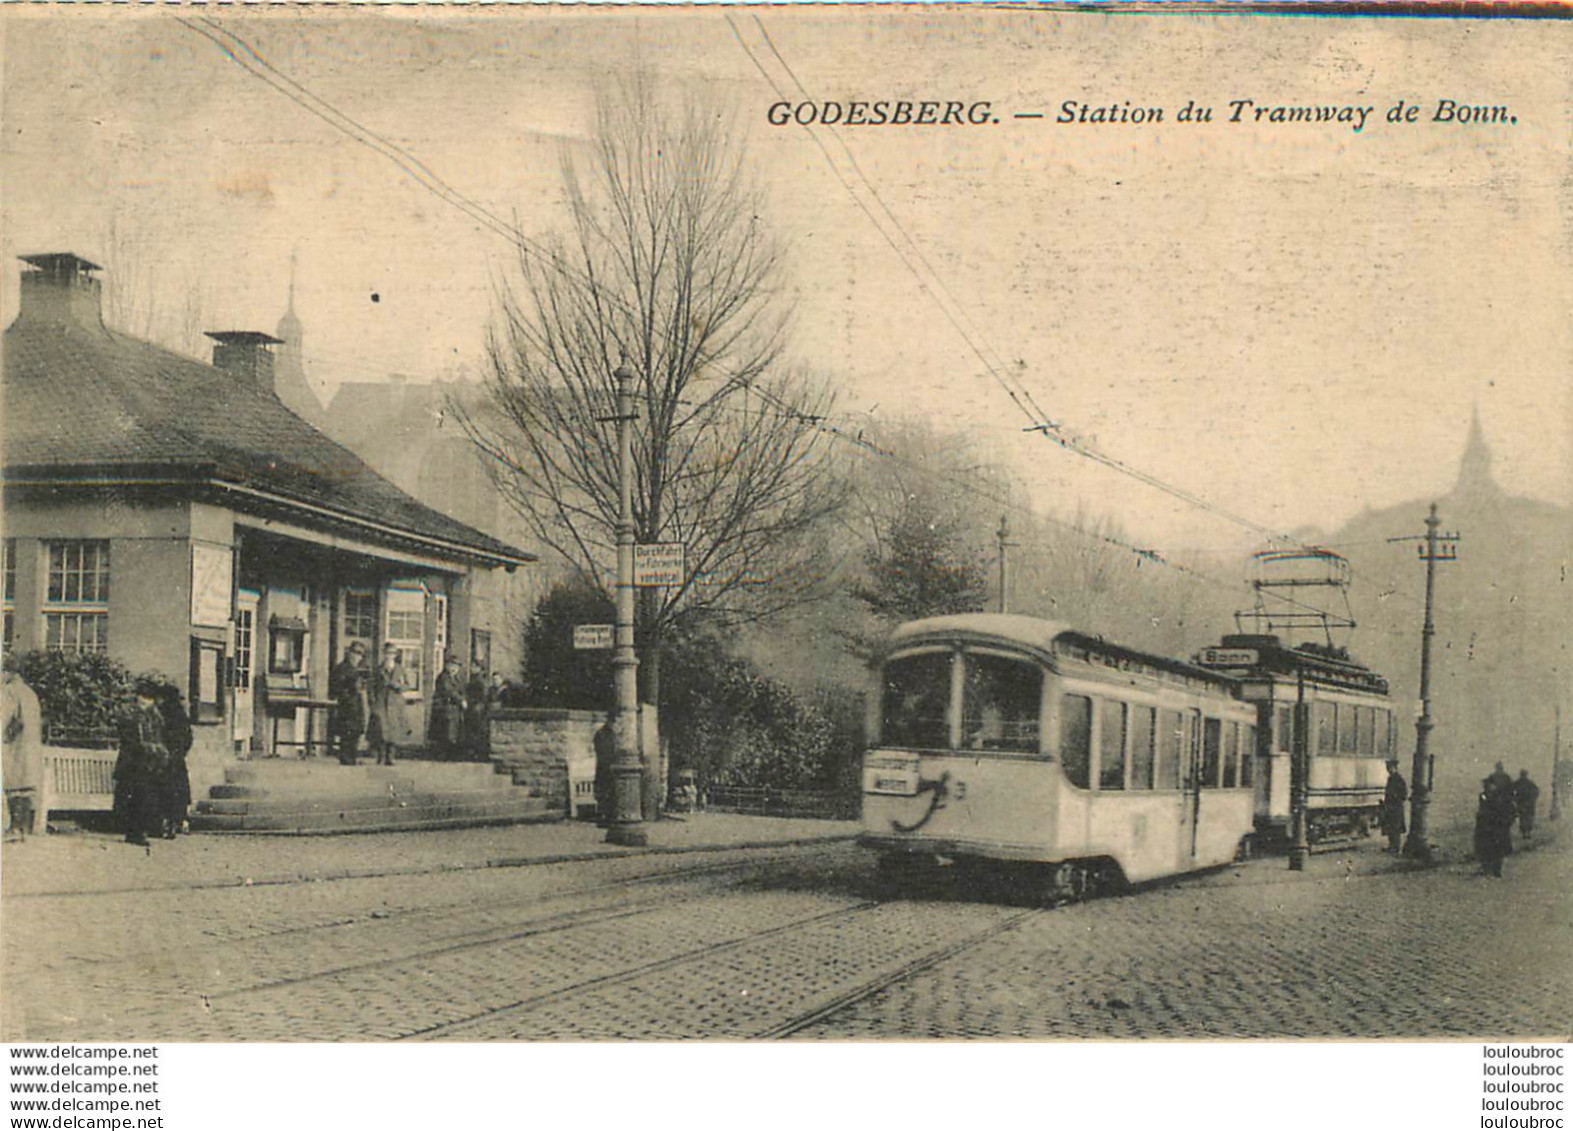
pixel 664 266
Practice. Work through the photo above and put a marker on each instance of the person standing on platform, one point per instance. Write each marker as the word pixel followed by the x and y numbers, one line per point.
pixel 21 755
pixel 347 686
pixel 386 693
pixel 477 720
pixel 142 766
pixel 448 705
pixel 1393 799
pixel 1526 795
pixel 175 794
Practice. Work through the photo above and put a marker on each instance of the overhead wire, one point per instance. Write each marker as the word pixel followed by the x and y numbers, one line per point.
pixel 246 56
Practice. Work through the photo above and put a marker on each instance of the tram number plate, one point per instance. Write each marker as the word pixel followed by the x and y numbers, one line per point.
pixel 902 783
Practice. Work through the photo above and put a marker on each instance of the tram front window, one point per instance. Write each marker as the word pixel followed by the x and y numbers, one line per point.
pixel 1001 705
pixel 917 698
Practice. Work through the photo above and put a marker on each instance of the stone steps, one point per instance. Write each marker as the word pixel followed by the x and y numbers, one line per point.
pixel 320 797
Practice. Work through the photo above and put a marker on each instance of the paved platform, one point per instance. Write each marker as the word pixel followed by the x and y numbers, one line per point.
pixel 88 863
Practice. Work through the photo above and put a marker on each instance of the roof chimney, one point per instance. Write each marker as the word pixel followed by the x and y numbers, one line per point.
pixel 246 353
pixel 61 289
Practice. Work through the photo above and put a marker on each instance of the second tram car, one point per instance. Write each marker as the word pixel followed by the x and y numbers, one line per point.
pixel 1011 738
pixel 1338 708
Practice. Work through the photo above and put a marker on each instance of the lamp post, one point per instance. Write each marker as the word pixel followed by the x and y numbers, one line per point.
pixel 627 775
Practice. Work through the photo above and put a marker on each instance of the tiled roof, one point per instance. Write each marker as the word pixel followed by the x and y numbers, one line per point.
pixel 84 399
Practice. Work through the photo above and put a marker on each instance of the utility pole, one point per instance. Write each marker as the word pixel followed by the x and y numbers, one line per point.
pixel 627 774
pixel 1003 538
pixel 1438 548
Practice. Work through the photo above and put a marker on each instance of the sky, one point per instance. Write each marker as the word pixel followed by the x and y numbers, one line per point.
pixel 1293 321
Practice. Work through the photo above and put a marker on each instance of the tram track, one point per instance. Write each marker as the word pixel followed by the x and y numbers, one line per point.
pixel 868 989
pixel 632 974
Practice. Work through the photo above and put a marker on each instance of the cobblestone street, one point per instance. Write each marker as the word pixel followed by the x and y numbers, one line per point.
pixel 793 940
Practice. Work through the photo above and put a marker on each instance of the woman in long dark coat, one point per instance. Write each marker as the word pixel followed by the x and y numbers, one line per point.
pixel 142 766
pixel 448 704
pixel 175 796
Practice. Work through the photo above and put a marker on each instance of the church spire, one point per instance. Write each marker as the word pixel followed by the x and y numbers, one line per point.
pixel 1474 469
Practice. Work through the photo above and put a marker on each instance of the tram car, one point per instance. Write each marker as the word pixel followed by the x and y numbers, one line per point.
pixel 1008 738
pixel 1340 710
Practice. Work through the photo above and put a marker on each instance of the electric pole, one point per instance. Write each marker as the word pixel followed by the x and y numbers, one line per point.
pixel 627 774
pixel 1003 537
pixel 1437 548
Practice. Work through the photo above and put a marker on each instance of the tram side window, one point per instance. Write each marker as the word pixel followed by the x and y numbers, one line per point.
pixel 1326 737
pixel 1248 756
pixel 1285 736
pixel 1348 738
pixel 1231 754
pixel 1366 721
pixel 917 701
pixel 1211 743
pixel 1384 734
pixel 1076 738
pixel 1111 745
pixel 1171 747
pixel 1002 703
pixel 1142 735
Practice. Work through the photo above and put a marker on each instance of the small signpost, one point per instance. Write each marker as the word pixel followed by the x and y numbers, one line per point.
pixel 589 637
pixel 658 563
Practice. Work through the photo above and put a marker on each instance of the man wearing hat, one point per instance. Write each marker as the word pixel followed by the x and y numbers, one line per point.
pixel 1393 799
pixel 385 691
pixel 347 686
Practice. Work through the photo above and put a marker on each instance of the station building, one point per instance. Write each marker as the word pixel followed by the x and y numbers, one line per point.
pixel 179 517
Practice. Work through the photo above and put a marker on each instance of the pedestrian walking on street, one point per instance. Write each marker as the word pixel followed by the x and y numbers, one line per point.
pixel 448 705
pixel 1494 825
pixel 1526 795
pixel 347 687
pixel 385 691
pixel 175 790
pixel 142 766
pixel 21 755
pixel 1393 799
pixel 605 744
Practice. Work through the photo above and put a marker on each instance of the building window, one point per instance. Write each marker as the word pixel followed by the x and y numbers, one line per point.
pixel 360 617
pixel 406 629
pixel 480 651
pixel 76 604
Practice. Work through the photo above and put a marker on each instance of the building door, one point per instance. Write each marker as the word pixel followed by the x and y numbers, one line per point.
pixel 246 602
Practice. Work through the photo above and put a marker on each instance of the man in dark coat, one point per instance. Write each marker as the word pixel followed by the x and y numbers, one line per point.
pixel 448 704
pixel 142 767
pixel 385 693
pixel 347 686
pixel 1393 800
pixel 175 795
pixel 1494 825
pixel 605 744
pixel 1526 795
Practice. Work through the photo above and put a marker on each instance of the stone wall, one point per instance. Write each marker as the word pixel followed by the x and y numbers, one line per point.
pixel 539 745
